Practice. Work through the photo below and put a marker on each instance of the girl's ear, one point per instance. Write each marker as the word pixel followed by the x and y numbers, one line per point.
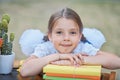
pixel 49 37
pixel 80 36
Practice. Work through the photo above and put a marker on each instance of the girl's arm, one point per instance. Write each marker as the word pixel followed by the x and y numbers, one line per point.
pixel 107 60
pixel 33 65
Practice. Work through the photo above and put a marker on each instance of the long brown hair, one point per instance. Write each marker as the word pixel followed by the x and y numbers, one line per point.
pixel 68 14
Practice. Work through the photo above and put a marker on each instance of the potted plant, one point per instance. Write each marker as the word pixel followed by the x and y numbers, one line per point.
pixel 6 44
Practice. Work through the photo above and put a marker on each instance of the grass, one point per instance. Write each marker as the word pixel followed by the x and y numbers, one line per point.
pixel 101 14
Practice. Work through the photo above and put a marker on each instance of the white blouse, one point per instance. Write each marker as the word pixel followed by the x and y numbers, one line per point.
pixel 47 48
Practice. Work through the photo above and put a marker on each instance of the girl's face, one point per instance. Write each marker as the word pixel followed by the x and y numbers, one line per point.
pixel 65 35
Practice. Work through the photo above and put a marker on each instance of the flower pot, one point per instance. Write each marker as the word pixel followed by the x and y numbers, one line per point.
pixel 6 63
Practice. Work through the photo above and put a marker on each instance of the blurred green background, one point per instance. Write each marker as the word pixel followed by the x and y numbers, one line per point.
pixel 101 14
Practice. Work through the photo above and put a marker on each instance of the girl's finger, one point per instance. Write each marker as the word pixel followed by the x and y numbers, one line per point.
pixel 80 58
pixel 76 59
pixel 71 59
pixel 55 62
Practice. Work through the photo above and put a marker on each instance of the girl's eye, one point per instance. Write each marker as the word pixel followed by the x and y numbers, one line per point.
pixel 73 33
pixel 59 32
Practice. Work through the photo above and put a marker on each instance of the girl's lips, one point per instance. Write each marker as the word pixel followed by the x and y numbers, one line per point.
pixel 66 45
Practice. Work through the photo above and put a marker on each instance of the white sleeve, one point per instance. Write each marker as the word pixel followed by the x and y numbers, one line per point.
pixel 44 49
pixel 89 49
pixel 94 36
pixel 29 40
pixel 86 48
pixel 40 51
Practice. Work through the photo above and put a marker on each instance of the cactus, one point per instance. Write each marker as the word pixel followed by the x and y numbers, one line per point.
pixel 6 42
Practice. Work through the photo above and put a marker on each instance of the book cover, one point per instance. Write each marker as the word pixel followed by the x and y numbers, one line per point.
pixel 82 70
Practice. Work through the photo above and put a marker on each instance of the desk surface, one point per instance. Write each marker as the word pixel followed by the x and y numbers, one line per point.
pixel 14 75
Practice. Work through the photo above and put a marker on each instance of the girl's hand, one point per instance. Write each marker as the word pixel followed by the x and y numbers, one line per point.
pixel 81 58
pixel 62 62
pixel 75 59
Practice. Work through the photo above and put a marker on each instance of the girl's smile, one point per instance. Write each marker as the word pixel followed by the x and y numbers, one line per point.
pixel 66 45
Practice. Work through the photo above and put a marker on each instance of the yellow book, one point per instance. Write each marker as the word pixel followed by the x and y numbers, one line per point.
pixel 81 70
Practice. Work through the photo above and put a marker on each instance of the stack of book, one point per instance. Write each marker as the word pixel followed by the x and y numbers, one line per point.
pixel 84 72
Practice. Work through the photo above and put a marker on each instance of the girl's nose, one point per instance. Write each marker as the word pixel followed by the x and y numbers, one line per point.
pixel 66 37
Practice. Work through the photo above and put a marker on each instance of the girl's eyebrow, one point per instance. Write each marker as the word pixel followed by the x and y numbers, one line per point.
pixel 58 29
pixel 73 29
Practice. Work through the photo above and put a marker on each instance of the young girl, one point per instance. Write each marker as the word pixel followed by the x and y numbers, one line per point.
pixel 66 46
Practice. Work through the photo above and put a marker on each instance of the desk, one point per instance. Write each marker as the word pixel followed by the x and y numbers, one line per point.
pixel 14 75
